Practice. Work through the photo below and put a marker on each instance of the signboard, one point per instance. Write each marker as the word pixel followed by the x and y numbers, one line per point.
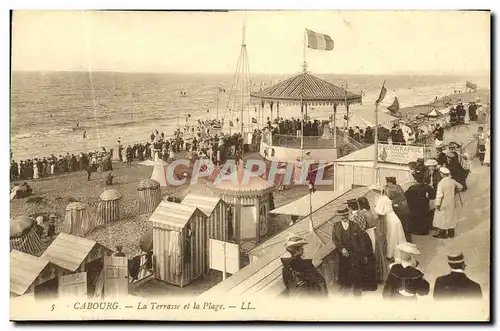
pixel 400 154
pixel 220 250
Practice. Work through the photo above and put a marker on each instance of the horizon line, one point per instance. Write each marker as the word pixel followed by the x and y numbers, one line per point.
pixel 261 73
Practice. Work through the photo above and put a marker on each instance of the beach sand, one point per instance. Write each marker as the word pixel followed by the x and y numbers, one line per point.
pixel 57 192
pixel 483 95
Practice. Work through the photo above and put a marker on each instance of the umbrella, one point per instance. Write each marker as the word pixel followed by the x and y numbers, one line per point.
pixel 19 225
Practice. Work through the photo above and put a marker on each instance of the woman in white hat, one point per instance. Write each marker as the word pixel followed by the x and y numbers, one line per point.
pixel 445 218
pixel 405 279
pixel 394 229
pixel 300 276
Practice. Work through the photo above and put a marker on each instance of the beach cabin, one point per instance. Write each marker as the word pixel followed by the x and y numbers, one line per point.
pixel 83 258
pixel 263 276
pixel 250 198
pixel 31 275
pixel 180 243
pixel 216 211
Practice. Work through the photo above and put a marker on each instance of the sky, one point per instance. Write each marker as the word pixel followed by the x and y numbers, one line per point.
pixel 376 42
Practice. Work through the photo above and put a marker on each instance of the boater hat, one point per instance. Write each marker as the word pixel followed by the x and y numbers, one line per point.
pixel 456 258
pixel 444 171
pixel 408 248
pixel 431 162
pixel 342 211
pixel 295 240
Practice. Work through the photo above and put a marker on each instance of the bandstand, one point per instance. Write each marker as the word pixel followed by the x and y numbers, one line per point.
pixel 305 90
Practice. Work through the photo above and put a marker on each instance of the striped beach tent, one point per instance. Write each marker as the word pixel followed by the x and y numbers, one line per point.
pixel 77 220
pixel 108 209
pixel 24 236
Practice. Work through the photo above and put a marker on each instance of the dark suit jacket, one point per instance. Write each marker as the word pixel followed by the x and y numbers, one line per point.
pixel 456 285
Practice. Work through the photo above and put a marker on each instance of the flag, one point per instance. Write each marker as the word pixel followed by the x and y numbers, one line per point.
pixel 254 120
pixel 208 110
pixel 383 92
pixel 319 41
pixel 470 85
pixel 221 90
pixel 394 108
pixel 231 123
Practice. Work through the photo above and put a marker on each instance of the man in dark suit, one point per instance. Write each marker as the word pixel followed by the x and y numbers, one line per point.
pixel 456 284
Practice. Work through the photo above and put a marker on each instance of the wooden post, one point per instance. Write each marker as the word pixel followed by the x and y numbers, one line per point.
pixel 257 224
pixel 335 129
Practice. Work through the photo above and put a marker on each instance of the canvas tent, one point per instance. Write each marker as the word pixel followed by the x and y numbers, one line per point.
pixel 433 113
pixel 160 172
pixel 24 235
pixel 365 119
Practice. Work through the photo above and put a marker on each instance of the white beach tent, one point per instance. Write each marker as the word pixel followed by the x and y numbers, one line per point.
pixel 433 113
pixel 365 119
pixel 160 172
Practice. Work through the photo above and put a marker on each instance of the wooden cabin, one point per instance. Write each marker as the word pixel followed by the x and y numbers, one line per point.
pixel 31 275
pixel 77 255
pixel 216 211
pixel 264 274
pixel 180 243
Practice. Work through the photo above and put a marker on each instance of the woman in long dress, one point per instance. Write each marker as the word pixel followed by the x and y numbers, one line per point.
pixel 394 229
pixel 487 152
pixel 35 169
pixel 377 232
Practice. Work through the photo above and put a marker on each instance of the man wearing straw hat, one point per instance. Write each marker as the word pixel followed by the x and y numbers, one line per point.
pixel 344 237
pixel 445 218
pixel 456 285
pixel 433 175
pixel 300 276
pixel 404 275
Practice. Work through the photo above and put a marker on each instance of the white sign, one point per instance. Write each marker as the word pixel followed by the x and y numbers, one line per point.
pixel 401 154
pixel 220 251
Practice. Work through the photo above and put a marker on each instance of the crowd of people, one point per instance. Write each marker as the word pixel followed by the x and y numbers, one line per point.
pixel 204 140
pixel 293 126
pixel 374 245
pixel 52 165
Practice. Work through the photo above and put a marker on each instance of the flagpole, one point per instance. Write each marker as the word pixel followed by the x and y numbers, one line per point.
pixel 377 175
pixel 261 111
pixel 217 115
pixel 346 105
pixel 302 98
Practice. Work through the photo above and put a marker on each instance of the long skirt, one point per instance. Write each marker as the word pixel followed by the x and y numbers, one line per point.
pixel 395 234
pixel 369 274
pixel 380 252
pixel 349 271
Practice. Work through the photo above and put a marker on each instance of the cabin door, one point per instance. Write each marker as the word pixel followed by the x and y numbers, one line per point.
pixel 115 276
pixel 73 286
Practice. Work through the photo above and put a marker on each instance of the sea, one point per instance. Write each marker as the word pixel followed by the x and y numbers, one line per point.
pixel 50 111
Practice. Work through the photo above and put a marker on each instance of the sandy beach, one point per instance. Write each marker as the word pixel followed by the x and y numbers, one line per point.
pixel 53 194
